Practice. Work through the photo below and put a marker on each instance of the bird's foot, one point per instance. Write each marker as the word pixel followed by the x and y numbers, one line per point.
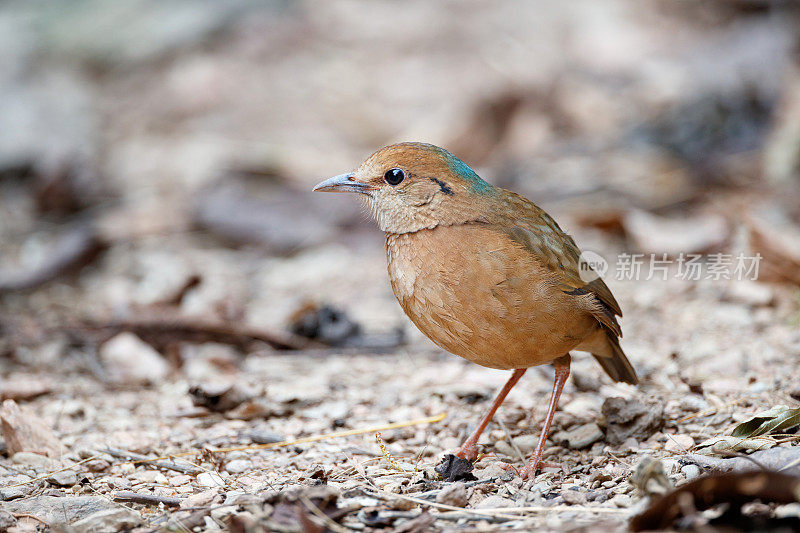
pixel 468 451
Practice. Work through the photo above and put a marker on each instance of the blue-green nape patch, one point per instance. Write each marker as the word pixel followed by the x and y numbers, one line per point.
pixel 463 170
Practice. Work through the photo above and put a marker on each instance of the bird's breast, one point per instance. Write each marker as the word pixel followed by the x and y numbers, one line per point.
pixel 477 294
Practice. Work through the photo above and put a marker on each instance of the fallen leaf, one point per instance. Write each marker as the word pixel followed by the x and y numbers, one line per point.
pixel 681 506
pixel 777 419
pixel 728 443
pixel 453 468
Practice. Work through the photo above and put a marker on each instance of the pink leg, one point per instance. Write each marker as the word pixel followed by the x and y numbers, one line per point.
pixel 469 450
pixel 562 373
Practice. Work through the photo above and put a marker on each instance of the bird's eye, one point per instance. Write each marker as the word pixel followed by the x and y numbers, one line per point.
pixel 394 176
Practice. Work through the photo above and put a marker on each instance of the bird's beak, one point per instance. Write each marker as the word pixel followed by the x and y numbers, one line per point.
pixel 342 183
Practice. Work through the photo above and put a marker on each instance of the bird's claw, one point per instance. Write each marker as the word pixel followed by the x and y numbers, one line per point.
pixel 468 451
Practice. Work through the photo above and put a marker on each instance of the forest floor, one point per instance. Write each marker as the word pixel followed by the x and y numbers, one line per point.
pixel 191 340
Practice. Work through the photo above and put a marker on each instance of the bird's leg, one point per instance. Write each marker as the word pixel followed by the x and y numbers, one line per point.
pixel 562 373
pixel 469 450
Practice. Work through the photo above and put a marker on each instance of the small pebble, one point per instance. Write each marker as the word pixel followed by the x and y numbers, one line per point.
pixel 65 478
pixel 582 436
pixel 690 471
pixel 678 443
pixel 201 499
pixel 526 443
pixel 238 466
pixel 31 459
pixel 181 479
pixel 573 497
pixel 505 448
pixel 693 402
pixel 265 437
pixel 455 494
pixel 622 500
pixel 494 501
pixel 210 479
pixel 119 483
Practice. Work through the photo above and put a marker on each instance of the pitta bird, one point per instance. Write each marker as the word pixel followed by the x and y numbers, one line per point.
pixel 485 273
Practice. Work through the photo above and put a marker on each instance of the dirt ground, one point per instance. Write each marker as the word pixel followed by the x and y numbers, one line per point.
pixel 192 341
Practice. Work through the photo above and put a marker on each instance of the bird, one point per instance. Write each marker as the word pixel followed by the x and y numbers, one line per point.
pixel 485 273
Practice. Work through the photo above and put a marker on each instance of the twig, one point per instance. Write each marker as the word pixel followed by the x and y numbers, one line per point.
pixel 47 475
pixel 501 511
pixel 33 517
pixel 137 458
pixel 313 438
pixel 167 327
pixel 147 499
pixel 467 484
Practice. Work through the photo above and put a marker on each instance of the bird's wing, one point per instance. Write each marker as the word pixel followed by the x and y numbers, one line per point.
pixel 536 231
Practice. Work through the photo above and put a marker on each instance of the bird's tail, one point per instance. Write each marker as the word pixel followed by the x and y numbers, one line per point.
pixel 614 361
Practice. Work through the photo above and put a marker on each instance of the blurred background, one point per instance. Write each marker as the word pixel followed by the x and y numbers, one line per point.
pixel 157 227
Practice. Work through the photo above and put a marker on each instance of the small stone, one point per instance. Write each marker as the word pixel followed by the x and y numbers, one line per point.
pixel 505 448
pixel 238 466
pixel 97 465
pixel 210 479
pixel 494 501
pixel 119 483
pixel 109 521
pixel 221 514
pixel 23 431
pixel 622 500
pixel 455 495
pixel 60 510
pixel 526 443
pixel 20 491
pixel 179 480
pixel 690 471
pixel 201 499
pixel 161 479
pixel 7 520
pixel 582 405
pixel 678 443
pixel 31 459
pixel 65 478
pixel 146 476
pixel 693 402
pixel 631 418
pixel 128 359
pixel 260 436
pixel 573 497
pixel 493 470
pixel 582 436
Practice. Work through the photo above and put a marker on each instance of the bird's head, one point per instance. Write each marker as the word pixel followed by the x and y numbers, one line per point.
pixel 412 186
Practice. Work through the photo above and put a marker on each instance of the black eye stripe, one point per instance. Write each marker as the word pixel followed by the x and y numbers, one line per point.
pixel 394 176
pixel 442 186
